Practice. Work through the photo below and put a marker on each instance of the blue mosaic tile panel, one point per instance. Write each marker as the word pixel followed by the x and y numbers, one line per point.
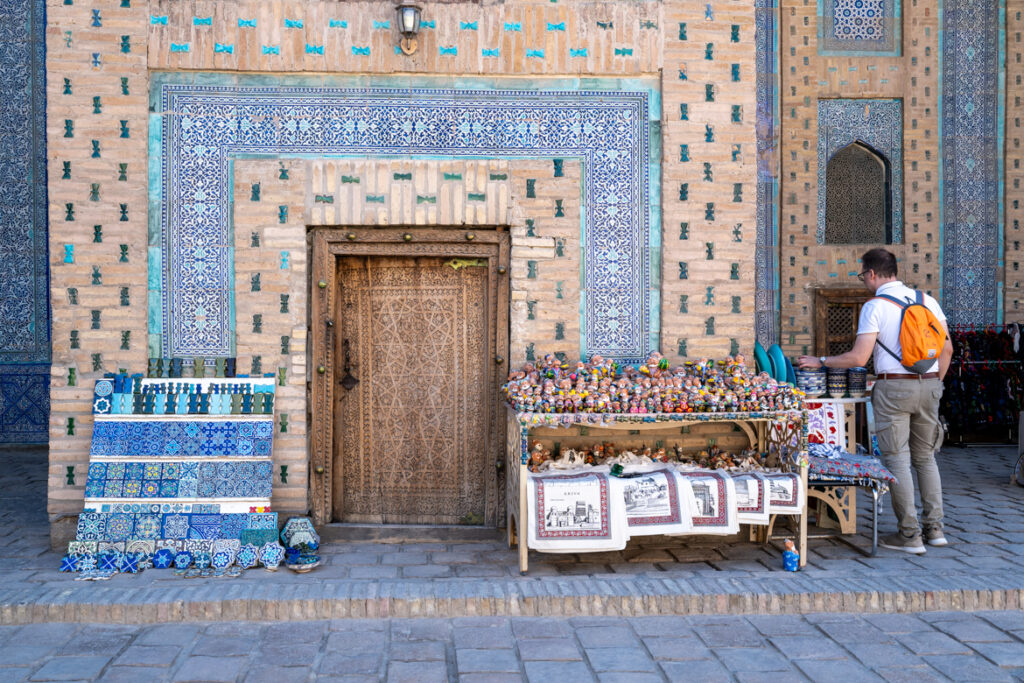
pixel 877 123
pixel 767 239
pixel 972 149
pixel 180 479
pixel 24 230
pixel 118 527
pixel 202 127
pixel 24 404
pixel 24 287
pixel 177 438
pixel 859 26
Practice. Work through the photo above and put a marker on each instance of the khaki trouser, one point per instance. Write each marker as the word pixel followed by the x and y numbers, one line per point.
pixel 909 433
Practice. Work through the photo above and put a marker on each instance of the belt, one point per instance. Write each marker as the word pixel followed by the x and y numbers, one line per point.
pixel 896 375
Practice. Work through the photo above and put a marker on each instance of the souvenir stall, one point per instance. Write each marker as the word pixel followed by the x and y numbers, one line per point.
pixel 180 478
pixel 984 388
pixel 598 454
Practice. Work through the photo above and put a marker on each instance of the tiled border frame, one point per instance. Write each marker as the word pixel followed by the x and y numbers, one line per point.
pixel 890 46
pixel 972 76
pixel 841 122
pixel 766 261
pixel 25 302
pixel 203 114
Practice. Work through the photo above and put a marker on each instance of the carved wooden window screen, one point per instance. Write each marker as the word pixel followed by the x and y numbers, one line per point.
pixel 835 321
pixel 858 197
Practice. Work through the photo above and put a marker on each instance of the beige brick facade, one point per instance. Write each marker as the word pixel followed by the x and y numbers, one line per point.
pixel 805 78
pixel 700 56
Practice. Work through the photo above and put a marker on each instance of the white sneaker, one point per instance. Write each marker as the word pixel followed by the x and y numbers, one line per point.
pixel 935 537
pixel 898 541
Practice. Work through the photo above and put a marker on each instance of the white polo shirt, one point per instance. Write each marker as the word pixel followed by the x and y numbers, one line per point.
pixel 883 317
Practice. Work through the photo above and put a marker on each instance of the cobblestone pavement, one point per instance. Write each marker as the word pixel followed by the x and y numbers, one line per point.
pixel 656 575
pixel 986 646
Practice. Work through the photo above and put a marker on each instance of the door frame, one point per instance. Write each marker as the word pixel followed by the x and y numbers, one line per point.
pixel 327 245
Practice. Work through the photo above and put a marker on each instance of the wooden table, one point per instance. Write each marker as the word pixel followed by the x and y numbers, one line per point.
pixel 763 430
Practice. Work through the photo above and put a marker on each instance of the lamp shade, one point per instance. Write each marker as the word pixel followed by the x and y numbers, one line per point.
pixel 408 19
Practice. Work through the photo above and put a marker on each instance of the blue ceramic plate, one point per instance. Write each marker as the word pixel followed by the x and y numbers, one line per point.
pixel 761 358
pixel 790 372
pixel 778 362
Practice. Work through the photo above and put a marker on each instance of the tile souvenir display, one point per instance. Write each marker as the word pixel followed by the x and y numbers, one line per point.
pixel 164 485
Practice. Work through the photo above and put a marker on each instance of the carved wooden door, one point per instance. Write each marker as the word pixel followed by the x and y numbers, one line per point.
pixel 414 430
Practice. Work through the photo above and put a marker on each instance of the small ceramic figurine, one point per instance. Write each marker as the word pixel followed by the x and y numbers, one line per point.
pixel 790 557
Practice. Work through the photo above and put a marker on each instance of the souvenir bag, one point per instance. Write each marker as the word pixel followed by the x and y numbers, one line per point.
pixel 921 334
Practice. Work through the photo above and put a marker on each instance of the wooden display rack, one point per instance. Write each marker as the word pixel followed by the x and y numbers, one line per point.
pixel 761 429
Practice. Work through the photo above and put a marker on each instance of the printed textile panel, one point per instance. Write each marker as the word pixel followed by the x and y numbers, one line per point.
pixel 203 127
pixel 177 438
pixel 24 404
pixel 825 423
pixel 180 479
pixel 652 498
pixel 870 26
pixel 574 506
pixel 711 494
pixel 24 287
pixel 972 147
pixel 876 123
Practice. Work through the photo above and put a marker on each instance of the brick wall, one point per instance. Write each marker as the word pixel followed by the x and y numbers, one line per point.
pixel 704 57
pixel 805 77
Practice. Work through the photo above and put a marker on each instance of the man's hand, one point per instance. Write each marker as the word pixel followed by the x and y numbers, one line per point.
pixel 808 362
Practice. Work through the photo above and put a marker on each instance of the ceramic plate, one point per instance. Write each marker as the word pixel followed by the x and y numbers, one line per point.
pixel 761 358
pixel 790 372
pixel 778 362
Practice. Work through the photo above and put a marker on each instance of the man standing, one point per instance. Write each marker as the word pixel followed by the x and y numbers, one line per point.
pixel 906 404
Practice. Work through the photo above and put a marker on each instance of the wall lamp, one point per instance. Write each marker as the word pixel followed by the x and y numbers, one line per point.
pixel 408 24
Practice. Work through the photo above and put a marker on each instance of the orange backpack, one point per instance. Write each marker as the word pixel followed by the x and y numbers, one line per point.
pixel 921 334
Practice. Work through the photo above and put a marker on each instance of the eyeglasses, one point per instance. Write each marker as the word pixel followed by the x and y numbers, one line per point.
pixel 860 275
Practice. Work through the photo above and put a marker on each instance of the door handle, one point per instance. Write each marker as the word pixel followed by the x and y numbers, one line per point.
pixel 348 381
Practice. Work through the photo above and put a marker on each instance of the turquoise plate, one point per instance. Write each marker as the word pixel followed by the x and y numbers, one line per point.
pixel 790 372
pixel 778 362
pixel 761 358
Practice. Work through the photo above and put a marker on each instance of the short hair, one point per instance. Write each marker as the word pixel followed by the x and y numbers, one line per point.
pixel 882 261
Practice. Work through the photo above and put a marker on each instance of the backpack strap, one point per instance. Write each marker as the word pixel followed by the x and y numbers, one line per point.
pixel 903 307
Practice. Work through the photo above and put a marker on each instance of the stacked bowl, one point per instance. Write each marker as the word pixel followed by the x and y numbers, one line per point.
pixel 837 382
pixel 857 382
pixel 811 381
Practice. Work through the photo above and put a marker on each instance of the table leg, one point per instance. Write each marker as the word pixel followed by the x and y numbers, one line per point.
pixel 522 527
pixel 803 518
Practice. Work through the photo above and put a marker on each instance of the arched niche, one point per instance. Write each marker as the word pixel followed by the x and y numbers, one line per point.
pixel 858 196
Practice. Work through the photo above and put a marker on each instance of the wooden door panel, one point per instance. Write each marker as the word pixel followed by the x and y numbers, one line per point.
pixel 414 430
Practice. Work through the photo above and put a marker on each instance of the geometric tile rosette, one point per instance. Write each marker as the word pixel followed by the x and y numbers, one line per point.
pixel 859 27
pixel 202 127
pixel 877 123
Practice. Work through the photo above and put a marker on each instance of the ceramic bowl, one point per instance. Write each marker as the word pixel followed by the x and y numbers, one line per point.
pixel 837 382
pixel 857 381
pixel 811 382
